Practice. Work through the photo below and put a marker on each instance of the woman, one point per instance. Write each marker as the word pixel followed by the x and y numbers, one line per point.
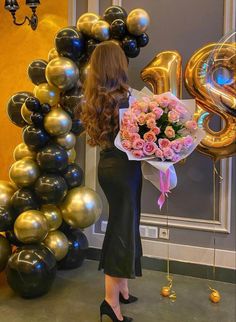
pixel 106 91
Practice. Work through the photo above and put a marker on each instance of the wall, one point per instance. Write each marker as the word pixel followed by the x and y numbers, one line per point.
pixel 19 46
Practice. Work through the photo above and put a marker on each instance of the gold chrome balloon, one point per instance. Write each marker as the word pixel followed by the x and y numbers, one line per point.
pixel 84 70
pixel 24 172
pixel 101 30
pixel 138 21
pixel 164 73
pixel 57 122
pixel 31 227
pixel 62 73
pixel 53 216
pixel 67 141
pixel 7 189
pixel 5 252
pixel 71 155
pixel 86 21
pixel 47 94
pixel 52 54
pixel 22 151
pixel 81 207
pixel 26 114
pixel 57 243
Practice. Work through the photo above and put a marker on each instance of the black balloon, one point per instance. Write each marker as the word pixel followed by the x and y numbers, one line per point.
pixel 52 158
pixel 114 12
pixel 11 237
pixel 35 137
pixel 82 60
pixel 36 71
pixel 71 101
pixel 91 44
pixel 51 188
pixel 24 199
pixel 118 29
pixel 70 43
pixel 7 218
pixel 129 44
pixel 77 127
pixel 73 175
pixel 45 108
pixel 78 247
pixel 14 108
pixel 64 227
pixel 31 271
pixel 142 40
pixel 37 119
pixel 33 104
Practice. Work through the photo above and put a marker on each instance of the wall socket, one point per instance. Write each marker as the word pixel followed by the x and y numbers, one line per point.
pixel 164 233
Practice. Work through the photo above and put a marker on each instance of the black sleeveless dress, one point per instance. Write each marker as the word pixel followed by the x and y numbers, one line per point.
pixel 121 181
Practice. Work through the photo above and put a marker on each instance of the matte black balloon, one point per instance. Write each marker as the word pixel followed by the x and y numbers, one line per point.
pixel 52 158
pixel 36 71
pixel 77 127
pixel 91 44
pixel 70 43
pixel 35 137
pixel 45 108
pixel 7 218
pixel 37 119
pixel 118 29
pixel 78 247
pixel 114 12
pixel 142 40
pixel 31 271
pixel 14 107
pixel 11 237
pixel 73 175
pixel 71 101
pixel 24 199
pixel 129 44
pixel 33 104
pixel 51 188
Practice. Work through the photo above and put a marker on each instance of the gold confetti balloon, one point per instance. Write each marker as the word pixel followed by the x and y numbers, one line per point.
pixel 86 22
pixel 138 21
pixel 53 216
pixel 47 94
pixel 57 243
pixel 22 151
pixel 57 122
pixel 66 141
pixel 24 172
pixel 101 30
pixel 7 189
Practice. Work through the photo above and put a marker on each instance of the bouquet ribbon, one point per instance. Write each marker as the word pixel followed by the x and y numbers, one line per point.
pixel 164 187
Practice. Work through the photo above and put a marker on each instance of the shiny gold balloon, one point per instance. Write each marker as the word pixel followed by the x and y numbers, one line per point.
pixel 7 189
pixel 71 155
pixel 31 227
pixel 165 291
pixel 138 21
pixel 84 70
pixel 62 73
pixel 164 73
pixel 81 207
pixel 57 243
pixel 52 54
pixel 86 21
pixel 5 252
pixel 57 122
pixel 26 114
pixel 22 151
pixel 47 94
pixel 101 30
pixel 24 172
pixel 215 296
pixel 53 216
pixel 67 141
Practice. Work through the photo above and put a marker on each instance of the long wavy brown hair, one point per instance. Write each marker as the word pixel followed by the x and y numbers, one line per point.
pixel 105 88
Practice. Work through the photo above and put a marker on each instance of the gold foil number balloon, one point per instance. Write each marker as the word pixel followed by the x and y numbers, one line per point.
pixel 57 243
pixel 24 172
pixel 164 73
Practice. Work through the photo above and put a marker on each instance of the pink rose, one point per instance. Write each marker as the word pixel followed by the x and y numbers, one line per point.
pixel 191 125
pixel 164 101
pixel 169 132
pixel 164 143
pixel 175 158
pixel 181 110
pixel 177 145
pixel 151 123
pixel 188 141
pixel 126 144
pixel 159 153
pixel 150 136
pixel 149 148
pixel 138 144
pixel 137 153
pixel 168 153
pixel 141 118
pixel 172 104
pixel 132 128
pixel 173 116
pixel 125 134
pixel 150 115
pixel 136 110
pixel 134 136
pixel 156 130
pixel 158 112
pixel 152 105
pixel 143 106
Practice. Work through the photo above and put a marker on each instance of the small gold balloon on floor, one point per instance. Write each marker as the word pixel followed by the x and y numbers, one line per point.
pixel 66 141
pixel 5 252
pixel 62 73
pixel 86 22
pixel 22 151
pixel 31 227
pixel 7 189
pixel 57 243
pixel 101 30
pixel 138 21
pixel 57 122
pixel 165 291
pixel 26 114
pixel 24 172
pixel 215 296
pixel 47 94
pixel 81 207
pixel 52 54
pixel 71 155
pixel 53 216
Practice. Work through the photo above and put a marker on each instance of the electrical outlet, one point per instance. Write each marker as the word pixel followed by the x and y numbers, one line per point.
pixel 164 233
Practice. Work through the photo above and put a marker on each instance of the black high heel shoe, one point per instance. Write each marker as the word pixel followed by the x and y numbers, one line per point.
pixel 106 309
pixel 130 299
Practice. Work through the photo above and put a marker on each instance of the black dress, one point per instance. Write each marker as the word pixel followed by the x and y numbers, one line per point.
pixel 121 181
